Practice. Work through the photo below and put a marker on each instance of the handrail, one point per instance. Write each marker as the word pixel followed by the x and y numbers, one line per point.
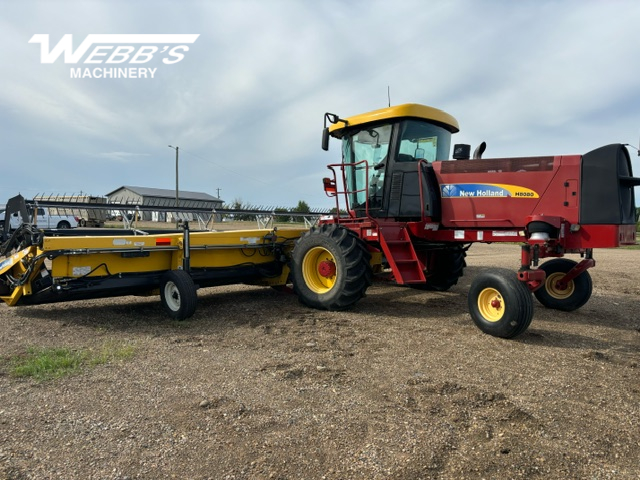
pixel 345 191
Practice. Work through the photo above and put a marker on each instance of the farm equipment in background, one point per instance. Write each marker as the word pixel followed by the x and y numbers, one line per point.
pixel 17 212
pixel 411 214
pixel 87 217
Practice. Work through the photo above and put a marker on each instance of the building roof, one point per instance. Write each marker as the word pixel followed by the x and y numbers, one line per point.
pixel 166 193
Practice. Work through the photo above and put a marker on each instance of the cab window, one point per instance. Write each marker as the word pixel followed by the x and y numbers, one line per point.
pixel 423 141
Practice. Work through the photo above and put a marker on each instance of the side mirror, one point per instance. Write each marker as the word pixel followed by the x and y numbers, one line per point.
pixel 332 117
pixel 325 139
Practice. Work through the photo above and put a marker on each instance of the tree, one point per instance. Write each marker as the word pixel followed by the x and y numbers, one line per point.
pixel 302 207
pixel 237 204
pixel 283 218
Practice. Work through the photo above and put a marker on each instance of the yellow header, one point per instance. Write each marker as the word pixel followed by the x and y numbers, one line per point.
pixel 407 110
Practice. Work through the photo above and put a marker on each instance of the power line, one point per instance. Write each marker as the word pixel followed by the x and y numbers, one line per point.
pixel 242 175
pixel 225 168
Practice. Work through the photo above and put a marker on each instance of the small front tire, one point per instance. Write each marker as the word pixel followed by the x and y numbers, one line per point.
pixel 178 294
pixel 500 304
pixel 575 295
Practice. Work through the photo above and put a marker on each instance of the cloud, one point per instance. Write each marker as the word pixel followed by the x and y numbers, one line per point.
pixel 122 157
pixel 248 99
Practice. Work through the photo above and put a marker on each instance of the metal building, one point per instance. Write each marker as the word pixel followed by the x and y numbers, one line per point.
pixel 160 197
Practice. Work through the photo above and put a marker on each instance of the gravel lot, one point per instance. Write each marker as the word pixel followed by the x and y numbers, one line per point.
pixel 403 386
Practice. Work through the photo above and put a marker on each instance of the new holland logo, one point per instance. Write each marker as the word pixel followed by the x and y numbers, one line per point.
pixel 118 51
pixel 485 190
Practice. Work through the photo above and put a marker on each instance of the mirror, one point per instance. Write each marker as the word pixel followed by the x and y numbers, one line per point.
pixel 325 139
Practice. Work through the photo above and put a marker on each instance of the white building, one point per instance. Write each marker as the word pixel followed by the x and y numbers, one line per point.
pixel 164 198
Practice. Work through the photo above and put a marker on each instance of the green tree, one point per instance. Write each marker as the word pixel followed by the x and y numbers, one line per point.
pixel 238 204
pixel 302 207
pixel 334 210
pixel 282 217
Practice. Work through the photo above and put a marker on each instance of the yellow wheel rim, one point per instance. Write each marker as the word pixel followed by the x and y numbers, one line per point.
pixel 491 305
pixel 319 270
pixel 554 291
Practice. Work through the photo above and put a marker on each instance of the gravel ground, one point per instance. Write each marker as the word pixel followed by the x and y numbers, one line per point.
pixel 403 386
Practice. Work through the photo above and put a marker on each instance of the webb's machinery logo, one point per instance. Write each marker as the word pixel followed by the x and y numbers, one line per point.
pixel 118 51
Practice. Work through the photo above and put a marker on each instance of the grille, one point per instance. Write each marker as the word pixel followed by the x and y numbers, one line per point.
pixel 396 186
pixel 528 164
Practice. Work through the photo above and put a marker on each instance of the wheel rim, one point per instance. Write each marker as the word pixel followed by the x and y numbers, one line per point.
pixel 319 270
pixel 491 305
pixel 553 289
pixel 172 296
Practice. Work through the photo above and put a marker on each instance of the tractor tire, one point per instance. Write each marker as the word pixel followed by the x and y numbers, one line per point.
pixel 576 294
pixel 500 304
pixel 330 268
pixel 446 267
pixel 178 294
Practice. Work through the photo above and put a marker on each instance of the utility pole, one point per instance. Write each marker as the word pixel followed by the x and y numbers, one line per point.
pixel 218 190
pixel 177 194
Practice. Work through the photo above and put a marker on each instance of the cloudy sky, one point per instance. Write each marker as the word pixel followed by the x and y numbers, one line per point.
pixel 246 103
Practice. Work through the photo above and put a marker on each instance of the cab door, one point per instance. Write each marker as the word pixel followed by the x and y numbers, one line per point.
pixel 365 153
pixel 412 188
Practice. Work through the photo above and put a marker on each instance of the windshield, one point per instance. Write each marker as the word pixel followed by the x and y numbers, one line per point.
pixel 370 145
pixel 421 140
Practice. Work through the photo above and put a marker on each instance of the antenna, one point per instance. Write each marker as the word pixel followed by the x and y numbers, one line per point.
pixel 389 94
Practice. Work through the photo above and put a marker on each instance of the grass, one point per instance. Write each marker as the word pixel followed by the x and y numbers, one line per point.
pixel 49 363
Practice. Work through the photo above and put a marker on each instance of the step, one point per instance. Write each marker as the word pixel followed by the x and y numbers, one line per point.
pixel 401 255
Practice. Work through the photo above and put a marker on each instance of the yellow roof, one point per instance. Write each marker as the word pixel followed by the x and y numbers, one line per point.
pixel 408 110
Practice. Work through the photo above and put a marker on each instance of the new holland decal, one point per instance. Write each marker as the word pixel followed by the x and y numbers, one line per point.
pixel 485 190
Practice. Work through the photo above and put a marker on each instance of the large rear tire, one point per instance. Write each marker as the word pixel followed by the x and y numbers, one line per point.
pixel 444 268
pixel 178 294
pixel 575 295
pixel 500 304
pixel 330 268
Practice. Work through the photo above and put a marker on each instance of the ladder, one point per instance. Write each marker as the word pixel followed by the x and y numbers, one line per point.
pixel 398 249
